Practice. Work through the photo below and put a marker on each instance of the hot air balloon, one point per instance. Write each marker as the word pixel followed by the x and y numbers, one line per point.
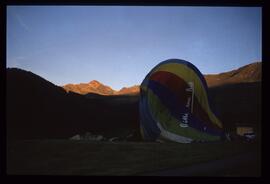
pixel 174 105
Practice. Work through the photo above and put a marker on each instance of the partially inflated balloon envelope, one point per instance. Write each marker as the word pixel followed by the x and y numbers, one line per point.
pixel 174 105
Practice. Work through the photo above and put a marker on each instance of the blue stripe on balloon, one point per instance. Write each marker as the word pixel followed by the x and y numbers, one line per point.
pixel 177 108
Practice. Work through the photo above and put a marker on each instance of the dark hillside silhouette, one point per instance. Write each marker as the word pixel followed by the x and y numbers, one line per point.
pixel 238 104
pixel 39 109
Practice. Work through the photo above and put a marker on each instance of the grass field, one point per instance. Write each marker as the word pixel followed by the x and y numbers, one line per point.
pixel 65 157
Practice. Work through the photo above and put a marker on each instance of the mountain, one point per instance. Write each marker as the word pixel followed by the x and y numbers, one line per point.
pixel 236 96
pixel 91 87
pixel 247 73
pixel 99 88
pixel 129 90
pixel 38 109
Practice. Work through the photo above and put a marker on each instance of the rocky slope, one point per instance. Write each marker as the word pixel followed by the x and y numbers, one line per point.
pixel 91 87
pixel 247 73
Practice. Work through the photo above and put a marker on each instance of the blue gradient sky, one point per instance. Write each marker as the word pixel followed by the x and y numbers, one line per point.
pixel 119 45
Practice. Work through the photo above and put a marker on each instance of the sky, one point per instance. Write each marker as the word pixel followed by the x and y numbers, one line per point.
pixel 119 45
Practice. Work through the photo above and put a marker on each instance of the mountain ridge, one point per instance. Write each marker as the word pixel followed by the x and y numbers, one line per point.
pixel 246 73
pixel 37 109
pixel 97 87
pixel 93 86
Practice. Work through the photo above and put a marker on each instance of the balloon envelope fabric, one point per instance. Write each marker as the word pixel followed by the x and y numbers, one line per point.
pixel 174 105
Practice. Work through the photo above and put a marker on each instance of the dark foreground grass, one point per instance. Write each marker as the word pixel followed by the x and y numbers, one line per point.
pixel 65 157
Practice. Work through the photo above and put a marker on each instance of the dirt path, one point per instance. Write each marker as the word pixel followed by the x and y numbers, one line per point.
pixel 244 165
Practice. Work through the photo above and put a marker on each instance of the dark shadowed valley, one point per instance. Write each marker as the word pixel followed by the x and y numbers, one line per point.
pixel 38 109
pixel 41 117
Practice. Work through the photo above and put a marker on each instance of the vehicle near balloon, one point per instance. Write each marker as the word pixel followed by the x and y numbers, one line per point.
pixel 174 105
